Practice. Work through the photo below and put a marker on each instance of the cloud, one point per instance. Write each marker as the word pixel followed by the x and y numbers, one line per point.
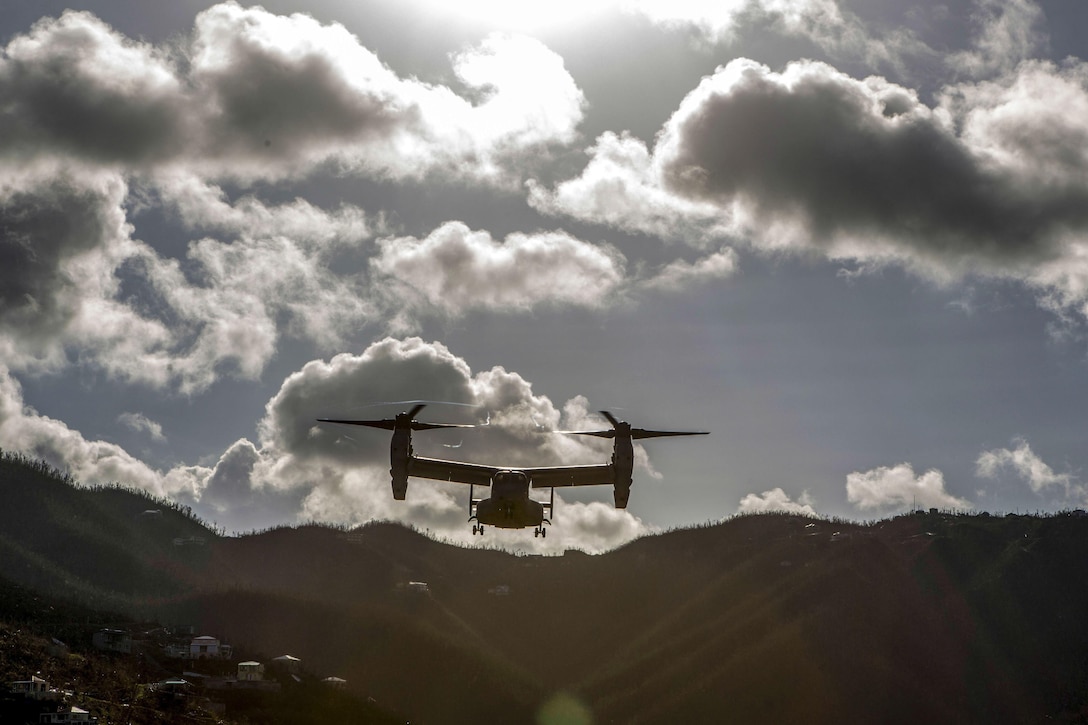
pixel 72 86
pixel 859 169
pixel 412 369
pixel 825 23
pixel 205 206
pixel 45 232
pixel 680 275
pixel 73 281
pixel 300 470
pixel 776 500
pixel 455 269
pixel 25 430
pixel 253 95
pixel 897 487
pixel 988 182
pixel 62 240
pixel 622 187
pixel 247 96
pixel 142 424
pixel 1024 462
pixel 1008 32
pixel 344 470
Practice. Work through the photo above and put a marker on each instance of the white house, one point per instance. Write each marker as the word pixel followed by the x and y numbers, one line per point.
pixel 288 663
pixel 34 689
pixel 208 647
pixel 250 671
pixel 66 716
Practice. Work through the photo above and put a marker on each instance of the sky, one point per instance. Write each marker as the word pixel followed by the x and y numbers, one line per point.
pixel 849 239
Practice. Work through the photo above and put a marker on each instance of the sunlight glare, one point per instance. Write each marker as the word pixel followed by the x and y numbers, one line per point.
pixel 524 16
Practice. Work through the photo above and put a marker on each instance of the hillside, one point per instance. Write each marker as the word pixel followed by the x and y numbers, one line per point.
pixel 771 618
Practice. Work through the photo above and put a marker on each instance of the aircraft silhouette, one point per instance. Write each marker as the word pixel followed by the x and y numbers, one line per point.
pixel 509 506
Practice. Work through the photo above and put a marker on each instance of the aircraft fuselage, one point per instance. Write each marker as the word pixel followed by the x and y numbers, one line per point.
pixel 509 506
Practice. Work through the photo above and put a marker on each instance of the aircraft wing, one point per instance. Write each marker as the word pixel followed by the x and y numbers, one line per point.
pixel 456 471
pixel 479 475
pixel 591 475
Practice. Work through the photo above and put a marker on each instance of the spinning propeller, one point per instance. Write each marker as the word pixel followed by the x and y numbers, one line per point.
pixel 403 420
pixel 623 428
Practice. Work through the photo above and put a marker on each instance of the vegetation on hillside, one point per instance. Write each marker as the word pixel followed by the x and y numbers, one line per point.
pixel 924 617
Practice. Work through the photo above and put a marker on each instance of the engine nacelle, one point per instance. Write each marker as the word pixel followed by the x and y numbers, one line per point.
pixel 623 465
pixel 400 451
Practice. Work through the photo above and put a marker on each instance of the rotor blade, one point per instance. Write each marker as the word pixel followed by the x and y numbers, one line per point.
pixel 415 410
pixel 387 424
pixel 639 433
pixel 611 418
pixel 416 425
pixel 597 433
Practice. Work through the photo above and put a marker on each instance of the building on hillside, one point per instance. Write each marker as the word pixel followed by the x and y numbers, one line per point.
pixel 287 663
pixel 34 689
pixel 336 683
pixel 250 671
pixel 174 688
pixel 112 640
pixel 149 515
pixel 189 541
pixel 208 647
pixel 204 647
pixel 67 716
pixel 499 590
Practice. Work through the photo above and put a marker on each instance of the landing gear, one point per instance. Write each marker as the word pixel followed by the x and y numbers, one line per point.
pixel 540 531
pixel 478 529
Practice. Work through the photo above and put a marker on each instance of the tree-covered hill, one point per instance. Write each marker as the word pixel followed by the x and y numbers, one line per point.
pixel 924 617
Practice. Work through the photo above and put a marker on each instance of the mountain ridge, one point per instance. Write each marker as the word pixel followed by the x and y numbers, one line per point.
pixel 928 616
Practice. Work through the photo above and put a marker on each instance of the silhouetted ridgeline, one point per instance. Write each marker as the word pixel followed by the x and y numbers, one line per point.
pixel 771 618
pixel 103 545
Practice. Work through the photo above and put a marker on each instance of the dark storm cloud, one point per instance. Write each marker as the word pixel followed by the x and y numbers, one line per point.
pixel 73 86
pixel 858 160
pixel 41 233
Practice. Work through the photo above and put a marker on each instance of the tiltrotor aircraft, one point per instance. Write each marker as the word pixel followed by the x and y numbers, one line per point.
pixel 509 505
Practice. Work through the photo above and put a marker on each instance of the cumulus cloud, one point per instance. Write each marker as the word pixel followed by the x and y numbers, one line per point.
pixel 1026 464
pixel 622 187
pixel 897 487
pixel 344 470
pixel 860 168
pixel 776 500
pixel 78 282
pixel 25 430
pixel 62 240
pixel 255 95
pixel 95 125
pixel 44 233
pixel 73 280
pixel 989 181
pixel 72 86
pixel 142 424
pixel 455 268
